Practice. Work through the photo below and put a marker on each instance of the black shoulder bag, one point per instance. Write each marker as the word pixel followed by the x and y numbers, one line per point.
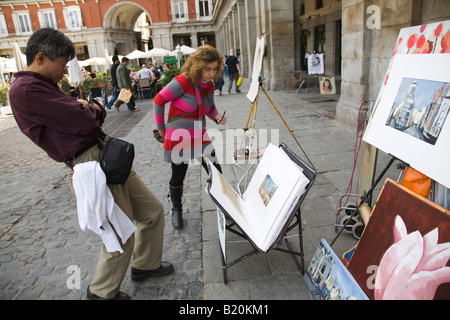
pixel 117 160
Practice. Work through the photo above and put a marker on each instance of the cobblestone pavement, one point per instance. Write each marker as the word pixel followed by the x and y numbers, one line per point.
pixel 42 248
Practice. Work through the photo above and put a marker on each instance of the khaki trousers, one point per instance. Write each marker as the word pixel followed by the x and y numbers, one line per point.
pixel 145 245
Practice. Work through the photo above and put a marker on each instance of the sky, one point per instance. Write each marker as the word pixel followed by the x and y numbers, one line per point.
pixel 424 93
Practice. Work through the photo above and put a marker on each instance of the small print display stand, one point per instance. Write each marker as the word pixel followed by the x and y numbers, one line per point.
pixel 293 221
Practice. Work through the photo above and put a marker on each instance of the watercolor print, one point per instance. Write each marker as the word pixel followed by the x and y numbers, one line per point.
pixel 420 108
pixel 433 38
pixel 267 189
pixel 328 279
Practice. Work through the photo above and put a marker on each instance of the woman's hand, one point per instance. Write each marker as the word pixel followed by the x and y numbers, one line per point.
pixel 220 119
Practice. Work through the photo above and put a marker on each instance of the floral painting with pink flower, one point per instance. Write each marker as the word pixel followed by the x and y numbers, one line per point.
pixel 407 242
pixel 413 266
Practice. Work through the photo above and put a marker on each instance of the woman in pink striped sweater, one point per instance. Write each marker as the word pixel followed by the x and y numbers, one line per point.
pixel 191 97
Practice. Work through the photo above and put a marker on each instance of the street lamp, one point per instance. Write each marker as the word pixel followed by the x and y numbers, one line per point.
pixel 178 53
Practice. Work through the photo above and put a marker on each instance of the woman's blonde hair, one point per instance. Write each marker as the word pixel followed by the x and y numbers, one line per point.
pixel 193 68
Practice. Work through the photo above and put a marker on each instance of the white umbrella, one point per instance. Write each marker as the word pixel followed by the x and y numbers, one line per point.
pixel 187 50
pixel 10 65
pixel 18 56
pixel 136 54
pixel 96 61
pixel 3 62
pixel 75 74
pixel 107 60
pixel 158 52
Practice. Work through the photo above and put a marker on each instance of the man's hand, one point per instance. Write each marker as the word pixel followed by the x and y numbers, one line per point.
pixel 84 103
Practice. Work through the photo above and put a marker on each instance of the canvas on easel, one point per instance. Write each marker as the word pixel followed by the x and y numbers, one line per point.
pixel 315 63
pixel 426 39
pixel 405 248
pixel 410 121
pixel 256 71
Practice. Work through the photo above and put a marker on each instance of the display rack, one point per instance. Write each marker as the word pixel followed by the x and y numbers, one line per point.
pixel 293 221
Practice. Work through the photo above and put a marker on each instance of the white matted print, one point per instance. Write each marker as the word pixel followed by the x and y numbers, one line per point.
pixel 410 120
pixel 257 65
pixel 221 227
pixel 315 63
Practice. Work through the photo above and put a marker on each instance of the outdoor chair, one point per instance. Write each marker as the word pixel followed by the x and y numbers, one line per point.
pixel 293 79
pixel 144 85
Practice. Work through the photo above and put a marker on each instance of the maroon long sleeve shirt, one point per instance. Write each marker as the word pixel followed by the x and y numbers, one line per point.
pixel 52 120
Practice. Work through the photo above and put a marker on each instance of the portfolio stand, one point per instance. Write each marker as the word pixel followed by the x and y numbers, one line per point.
pixel 293 221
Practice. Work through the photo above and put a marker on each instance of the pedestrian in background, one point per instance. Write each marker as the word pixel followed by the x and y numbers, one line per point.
pixel 115 60
pixel 70 131
pixel 146 73
pixel 124 82
pixel 234 71
pixel 191 97
pixel 220 83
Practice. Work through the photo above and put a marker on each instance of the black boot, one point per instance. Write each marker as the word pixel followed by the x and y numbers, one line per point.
pixel 177 209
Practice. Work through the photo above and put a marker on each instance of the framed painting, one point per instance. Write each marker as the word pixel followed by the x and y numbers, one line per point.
pixel 327 85
pixel 404 251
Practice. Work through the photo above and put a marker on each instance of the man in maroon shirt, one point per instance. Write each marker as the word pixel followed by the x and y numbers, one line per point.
pixel 70 130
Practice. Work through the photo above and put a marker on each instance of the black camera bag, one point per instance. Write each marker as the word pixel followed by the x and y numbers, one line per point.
pixel 117 160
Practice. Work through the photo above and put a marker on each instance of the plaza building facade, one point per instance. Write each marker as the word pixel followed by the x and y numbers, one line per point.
pixel 356 37
pixel 118 26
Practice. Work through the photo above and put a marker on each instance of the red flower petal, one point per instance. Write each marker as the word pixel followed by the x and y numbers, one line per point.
pixel 421 41
pixel 423 27
pixel 411 41
pixel 438 30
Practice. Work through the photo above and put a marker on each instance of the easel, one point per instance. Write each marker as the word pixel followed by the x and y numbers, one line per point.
pixel 293 221
pixel 248 150
pixel 308 80
pixel 367 196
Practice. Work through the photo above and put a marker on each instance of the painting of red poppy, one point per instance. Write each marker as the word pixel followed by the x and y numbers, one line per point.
pixel 404 251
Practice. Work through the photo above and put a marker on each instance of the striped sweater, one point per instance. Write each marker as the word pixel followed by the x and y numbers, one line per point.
pixel 185 136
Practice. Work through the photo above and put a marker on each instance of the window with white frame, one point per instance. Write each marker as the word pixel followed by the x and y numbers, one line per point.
pixel 203 7
pixel 22 22
pixel 72 16
pixel 3 28
pixel 47 18
pixel 179 11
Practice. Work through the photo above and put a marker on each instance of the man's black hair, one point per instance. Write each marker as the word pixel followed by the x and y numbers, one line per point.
pixel 53 43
